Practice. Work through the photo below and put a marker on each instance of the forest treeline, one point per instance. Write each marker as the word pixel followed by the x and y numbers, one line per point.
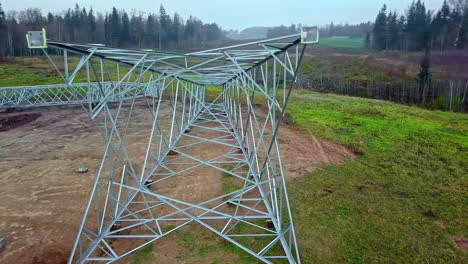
pixel 446 29
pixel 116 28
pixel 418 27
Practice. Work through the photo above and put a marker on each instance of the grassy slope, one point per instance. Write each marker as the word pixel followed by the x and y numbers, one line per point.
pixel 400 201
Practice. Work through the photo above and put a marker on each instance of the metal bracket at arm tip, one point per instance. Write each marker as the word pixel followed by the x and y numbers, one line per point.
pixel 37 39
pixel 310 35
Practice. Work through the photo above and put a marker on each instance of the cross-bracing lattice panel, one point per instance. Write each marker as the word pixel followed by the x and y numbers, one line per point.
pixel 129 200
pixel 73 94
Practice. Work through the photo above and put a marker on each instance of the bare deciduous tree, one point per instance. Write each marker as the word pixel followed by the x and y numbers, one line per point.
pixel 459 5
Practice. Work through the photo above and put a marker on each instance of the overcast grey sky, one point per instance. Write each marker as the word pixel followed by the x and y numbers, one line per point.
pixel 239 14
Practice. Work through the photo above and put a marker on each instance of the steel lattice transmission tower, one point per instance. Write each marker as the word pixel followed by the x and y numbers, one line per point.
pixel 205 99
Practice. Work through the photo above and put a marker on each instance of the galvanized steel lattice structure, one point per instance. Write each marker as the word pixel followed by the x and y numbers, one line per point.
pixel 229 100
pixel 72 94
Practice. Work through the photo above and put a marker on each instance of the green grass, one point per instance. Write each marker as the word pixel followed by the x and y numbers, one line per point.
pixel 198 245
pixel 229 183
pixel 27 71
pixel 145 254
pixel 398 202
pixel 343 43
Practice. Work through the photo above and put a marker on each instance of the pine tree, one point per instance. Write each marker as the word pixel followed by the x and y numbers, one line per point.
pixel 367 41
pixel 401 32
pixel 76 17
pixel 3 39
pixel 68 21
pixel 150 30
pixel 124 36
pixel 107 29
pixel 424 76
pixel 137 28
pixel 83 19
pixel 50 18
pixel 292 29
pixel 189 31
pixel 114 26
pixel 164 27
pixel 91 22
pixel 440 25
pixel 176 30
pixel 2 17
pixel 462 42
pixel 421 33
pixel 419 28
pixel 380 29
pixel 411 26
pixel 393 32
pixel 445 12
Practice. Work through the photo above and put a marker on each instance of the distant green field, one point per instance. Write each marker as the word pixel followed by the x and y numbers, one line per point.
pixel 343 43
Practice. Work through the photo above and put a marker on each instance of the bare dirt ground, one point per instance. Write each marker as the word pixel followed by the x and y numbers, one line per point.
pixel 43 199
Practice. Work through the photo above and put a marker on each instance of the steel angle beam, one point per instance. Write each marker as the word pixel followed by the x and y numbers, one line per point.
pixel 126 201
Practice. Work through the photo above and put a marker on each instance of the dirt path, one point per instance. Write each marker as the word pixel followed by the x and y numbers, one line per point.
pixel 43 198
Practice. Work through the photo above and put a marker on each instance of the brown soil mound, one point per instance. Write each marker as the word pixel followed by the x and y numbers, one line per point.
pixel 52 255
pixel 460 242
pixel 11 122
